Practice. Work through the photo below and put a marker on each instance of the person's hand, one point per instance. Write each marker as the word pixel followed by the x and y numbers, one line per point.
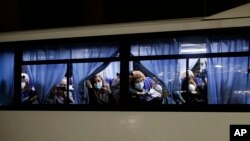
pixel 106 88
pixel 89 85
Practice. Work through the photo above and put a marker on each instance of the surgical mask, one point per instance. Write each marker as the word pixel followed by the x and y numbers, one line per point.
pixel 158 88
pixel 22 85
pixel 98 85
pixel 139 85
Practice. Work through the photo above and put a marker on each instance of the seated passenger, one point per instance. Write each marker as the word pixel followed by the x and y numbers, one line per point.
pixel 139 94
pixel 51 97
pixel 115 88
pixel 28 95
pixel 57 96
pixel 24 79
pixel 192 85
pixel 71 90
pixel 192 96
pixel 99 91
pixel 61 95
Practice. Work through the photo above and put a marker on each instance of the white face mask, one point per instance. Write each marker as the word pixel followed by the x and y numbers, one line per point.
pixel 22 85
pixel 98 85
pixel 139 85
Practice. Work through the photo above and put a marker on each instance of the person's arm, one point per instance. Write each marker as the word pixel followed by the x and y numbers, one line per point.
pixel 33 98
pixel 106 88
pixel 89 85
pixel 71 98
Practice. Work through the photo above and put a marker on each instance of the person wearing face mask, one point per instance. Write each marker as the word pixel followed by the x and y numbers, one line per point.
pixel 137 92
pixel 99 91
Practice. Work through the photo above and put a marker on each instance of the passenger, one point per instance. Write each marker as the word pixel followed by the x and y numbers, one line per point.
pixel 192 96
pixel 199 81
pixel 99 91
pixel 192 85
pixel 24 79
pixel 60 95
pixel 138 94
pixel 115 88
pixel 201 85
pixel 52 96
pixel 57 95
pixel 156 92
pixel 28 95
pixel 64 84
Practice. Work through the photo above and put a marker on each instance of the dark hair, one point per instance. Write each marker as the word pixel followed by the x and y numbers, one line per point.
pixel 93 79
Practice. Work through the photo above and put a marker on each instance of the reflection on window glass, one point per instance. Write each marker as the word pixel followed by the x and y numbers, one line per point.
pixel 97 83
pixel 6 77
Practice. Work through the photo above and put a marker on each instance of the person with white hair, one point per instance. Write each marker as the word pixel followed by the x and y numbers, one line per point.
pixel 24 79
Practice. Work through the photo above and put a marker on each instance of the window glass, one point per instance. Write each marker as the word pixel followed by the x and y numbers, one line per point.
pixel 46 54
pixel 191 48
pixel 228 80
pixel 227 45
pixel 96 83
pixel 44 84
pixel 155 47
pixel 72 52
pixel 194 82
pixel 6 77
pixel 95 51
pixel 157 82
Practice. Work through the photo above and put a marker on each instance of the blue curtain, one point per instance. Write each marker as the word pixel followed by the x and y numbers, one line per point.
pixel 46 54
pixel 228 79
pixel 156 47
pixel 44 77
pixel 111 70
pixel 166 70
pixel 93 50
pixel 82 71
pixel 6 77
